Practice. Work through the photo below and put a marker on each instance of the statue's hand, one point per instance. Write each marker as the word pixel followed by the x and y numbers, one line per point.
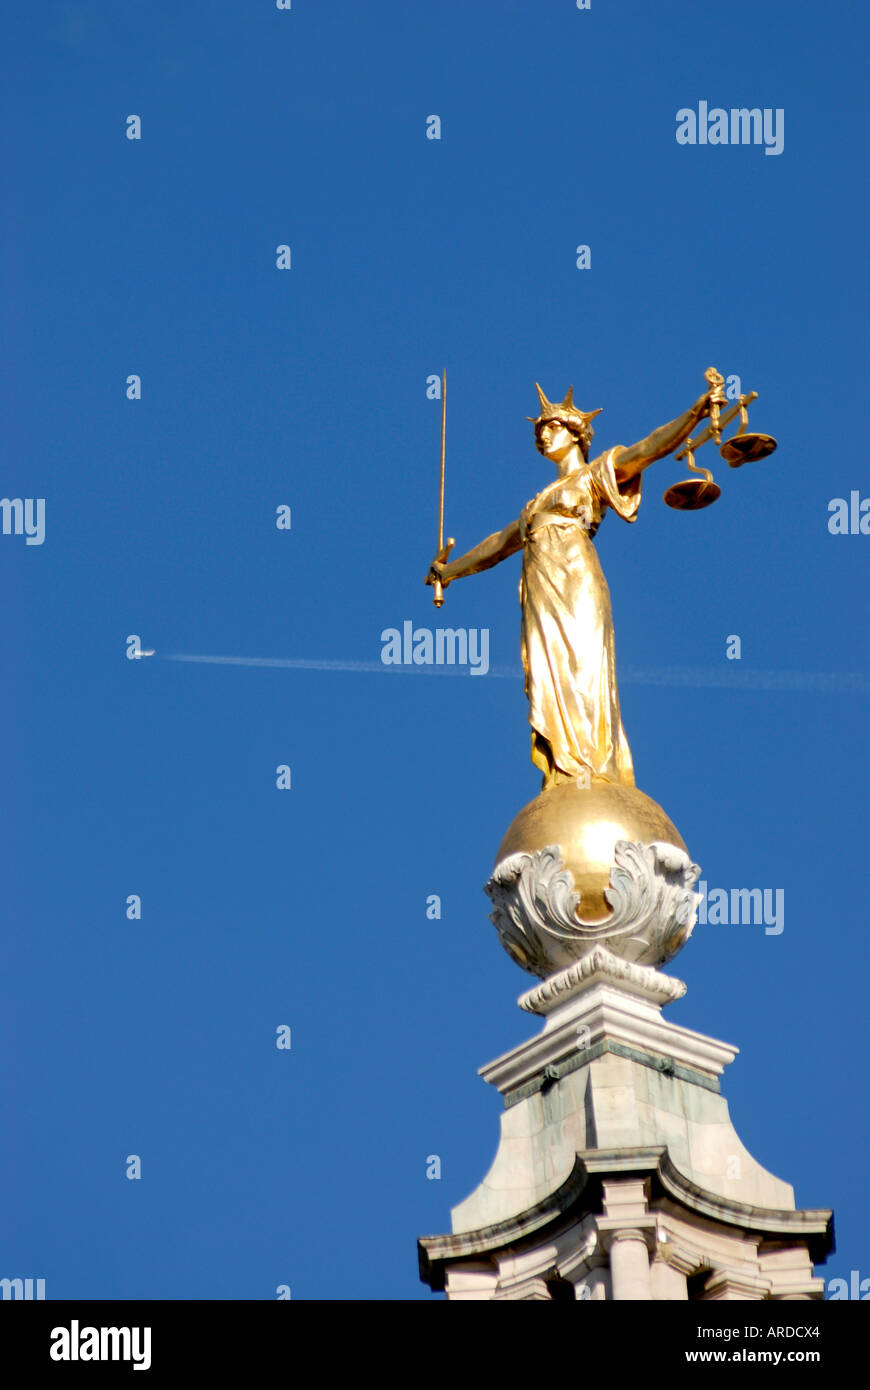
pixel 716 394
pixel 436 574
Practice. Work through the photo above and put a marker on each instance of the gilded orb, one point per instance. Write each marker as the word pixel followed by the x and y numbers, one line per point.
pixel 586 822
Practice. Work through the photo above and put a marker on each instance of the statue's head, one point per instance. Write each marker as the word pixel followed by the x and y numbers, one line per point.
pixel 561 428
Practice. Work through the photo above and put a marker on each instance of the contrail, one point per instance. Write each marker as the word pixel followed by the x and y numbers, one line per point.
pixel 292 663
pixel 701 677
pixel 823 682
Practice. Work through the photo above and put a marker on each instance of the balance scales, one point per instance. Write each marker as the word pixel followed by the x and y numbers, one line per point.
pixel 743 447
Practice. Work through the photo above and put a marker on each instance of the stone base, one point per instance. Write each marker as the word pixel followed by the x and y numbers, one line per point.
pixel 619 1173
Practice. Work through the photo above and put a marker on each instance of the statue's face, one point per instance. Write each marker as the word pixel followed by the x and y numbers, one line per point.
pixel 554 441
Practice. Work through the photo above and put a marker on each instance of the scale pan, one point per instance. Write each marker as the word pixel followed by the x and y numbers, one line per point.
pixel 692 494
pixel 746 448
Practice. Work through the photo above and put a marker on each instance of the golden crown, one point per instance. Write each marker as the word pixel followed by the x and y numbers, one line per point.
pixel 567 414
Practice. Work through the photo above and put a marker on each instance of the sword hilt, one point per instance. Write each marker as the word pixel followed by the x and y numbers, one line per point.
pixel 441 559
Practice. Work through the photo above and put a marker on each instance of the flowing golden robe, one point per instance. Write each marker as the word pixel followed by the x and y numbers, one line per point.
pixel 567 632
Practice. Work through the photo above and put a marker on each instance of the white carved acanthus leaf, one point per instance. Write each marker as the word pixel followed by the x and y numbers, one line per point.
pixel 652 907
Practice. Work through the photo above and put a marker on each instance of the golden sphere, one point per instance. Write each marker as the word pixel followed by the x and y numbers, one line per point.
pixel 586 822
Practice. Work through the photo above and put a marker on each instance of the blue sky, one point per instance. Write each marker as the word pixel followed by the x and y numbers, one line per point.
pixel 307 388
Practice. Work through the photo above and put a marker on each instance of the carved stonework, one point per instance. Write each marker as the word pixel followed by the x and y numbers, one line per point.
pixel 653 907
pixel 601 966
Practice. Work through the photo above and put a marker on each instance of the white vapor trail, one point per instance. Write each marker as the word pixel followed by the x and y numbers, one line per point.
pixel 699 677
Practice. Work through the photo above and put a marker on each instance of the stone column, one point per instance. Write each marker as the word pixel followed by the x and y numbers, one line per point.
pixel 629 1266
pixel 668 1284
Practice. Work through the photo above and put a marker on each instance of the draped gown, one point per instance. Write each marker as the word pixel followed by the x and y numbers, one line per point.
pixel 567 626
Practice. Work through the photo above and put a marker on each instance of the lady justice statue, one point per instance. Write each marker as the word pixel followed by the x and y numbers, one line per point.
pixel 567 625
pixel 589 801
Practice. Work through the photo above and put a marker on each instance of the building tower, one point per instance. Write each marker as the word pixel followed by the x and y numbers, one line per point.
pixel 619 1174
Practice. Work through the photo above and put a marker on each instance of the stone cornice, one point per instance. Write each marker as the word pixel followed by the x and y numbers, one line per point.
pixel 581 1189
pixel 606 1014
pixel 437 1251
pixel 601 966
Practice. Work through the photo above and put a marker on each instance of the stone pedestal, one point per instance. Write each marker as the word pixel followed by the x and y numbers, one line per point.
pixel 619 1174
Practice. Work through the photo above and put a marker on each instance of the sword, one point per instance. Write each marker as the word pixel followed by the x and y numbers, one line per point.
pixel 443 550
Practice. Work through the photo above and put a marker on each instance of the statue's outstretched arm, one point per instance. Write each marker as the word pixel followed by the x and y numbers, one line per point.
pixel 661 442
pixel 492 551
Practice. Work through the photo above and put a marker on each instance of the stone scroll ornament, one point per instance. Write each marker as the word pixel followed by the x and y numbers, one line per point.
pixel 652 904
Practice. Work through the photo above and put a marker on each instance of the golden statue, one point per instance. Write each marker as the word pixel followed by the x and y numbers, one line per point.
pixel 589 801
pixel 567 625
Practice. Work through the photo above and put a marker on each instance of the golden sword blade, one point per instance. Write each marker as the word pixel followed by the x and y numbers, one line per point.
pixel 443 550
